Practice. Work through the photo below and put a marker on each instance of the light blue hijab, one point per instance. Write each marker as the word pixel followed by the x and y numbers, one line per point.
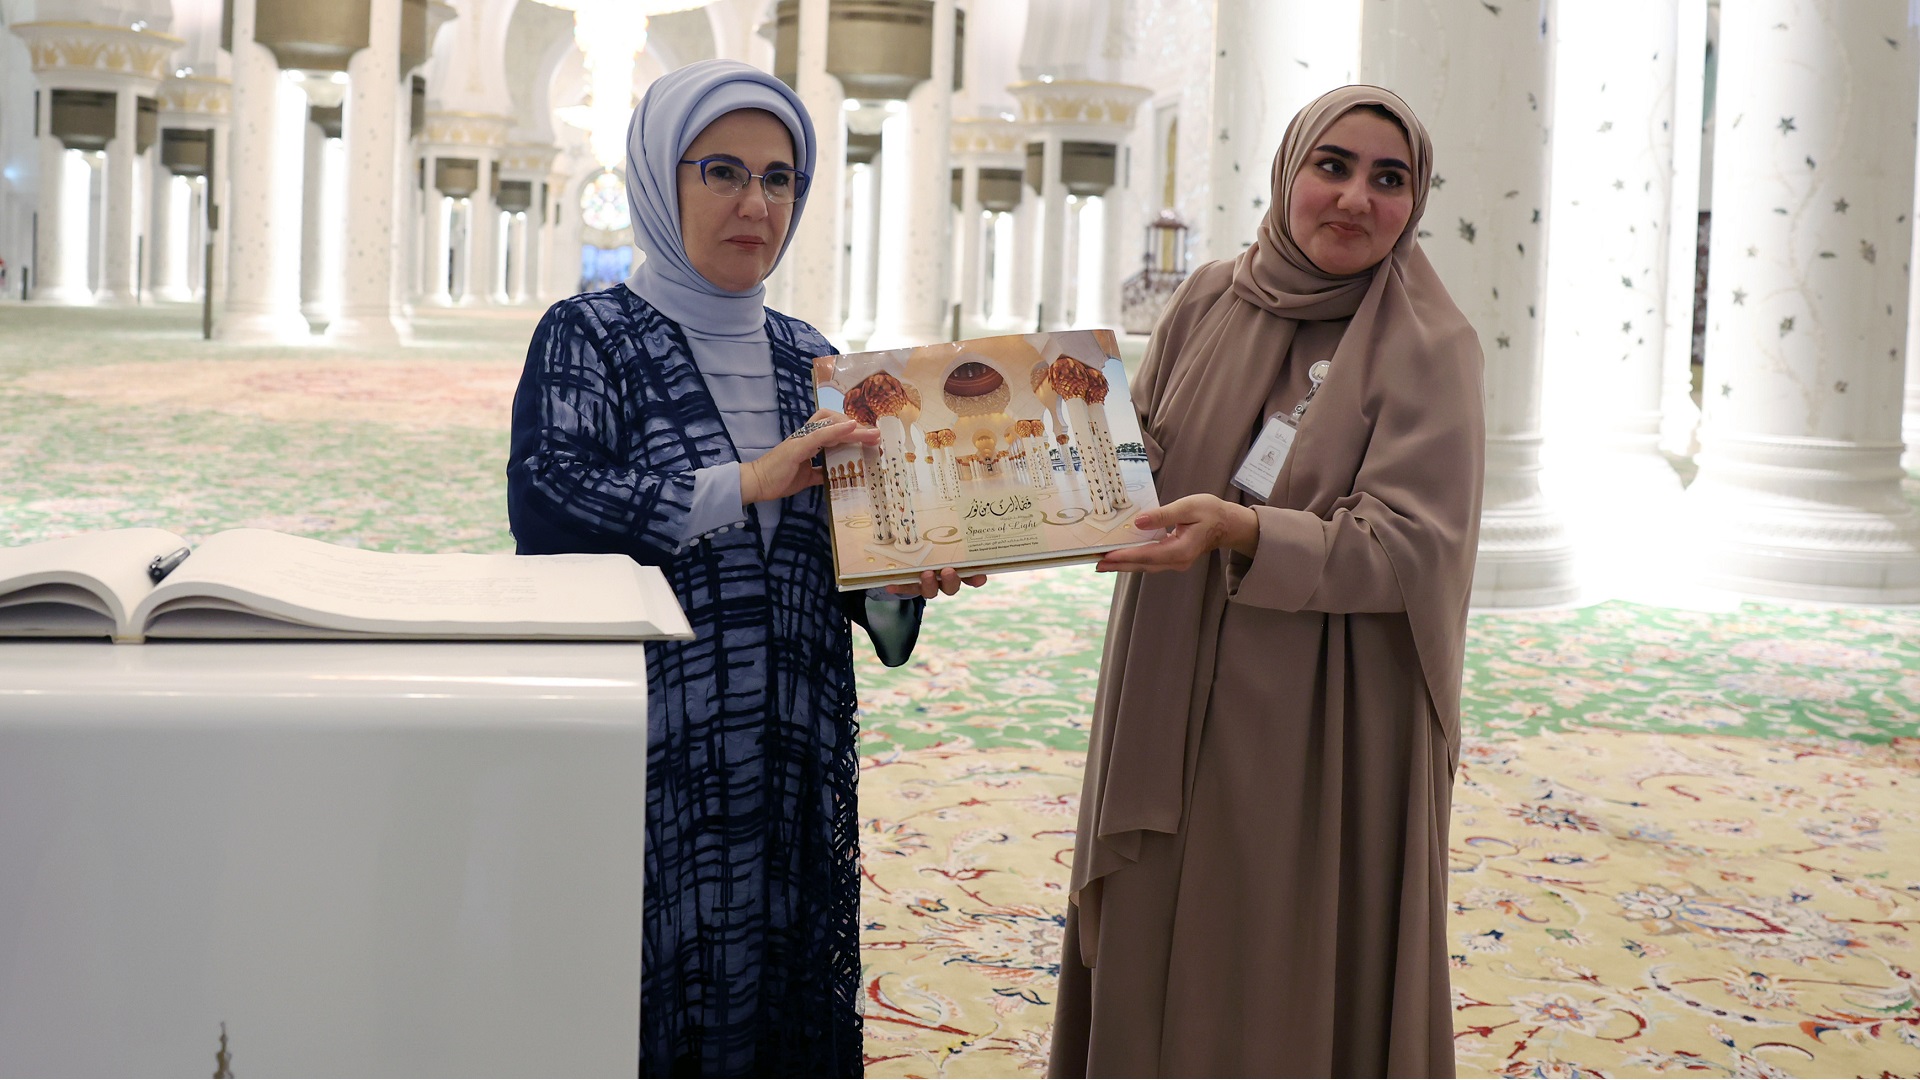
pixel 671 114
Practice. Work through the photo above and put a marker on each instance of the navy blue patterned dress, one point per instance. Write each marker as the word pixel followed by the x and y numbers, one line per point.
pixel 751 960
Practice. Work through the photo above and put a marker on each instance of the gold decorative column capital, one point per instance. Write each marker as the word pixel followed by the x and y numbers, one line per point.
pixel 81 47
pixel 1082 104
pixel 985 140
pixel 528 161
pixel 467 130
pixel 195 96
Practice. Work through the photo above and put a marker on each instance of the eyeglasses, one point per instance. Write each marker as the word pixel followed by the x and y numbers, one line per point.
pixel 728 178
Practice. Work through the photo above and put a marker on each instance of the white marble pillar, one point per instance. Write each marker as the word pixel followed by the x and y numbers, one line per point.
pixel 1270 58
pixel 482 222
pixel 373 125
pixel 1053 239
pixel 1910 423
pixel 1679 415
pixel 314 271
pixel 1481 78
pixel 1120 231
pixel 516 284
pixel 432 233
pixel 96 230
pixel 1023 264
pixel 817 245
pixel 1910 426
pixel 1085 276
pixel 972 245
pixel 1005 248
pixel 500 262
pixel 60 270
pixel 263 211
pixel 162 234
pixel 1799 486
pixel 914 295
pixel 403 223
pixel 863 233
pixel 459 232
pixel 1605 313
pixel 118 254
pixel 196 230
pixel 551 287
pixel 220 193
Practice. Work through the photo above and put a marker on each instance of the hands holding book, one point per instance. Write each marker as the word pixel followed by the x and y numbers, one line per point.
pixel 947 581
pixel 788 468
pixel 1195 525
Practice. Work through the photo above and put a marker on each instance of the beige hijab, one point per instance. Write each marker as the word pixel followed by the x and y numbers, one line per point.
pixel 1398 418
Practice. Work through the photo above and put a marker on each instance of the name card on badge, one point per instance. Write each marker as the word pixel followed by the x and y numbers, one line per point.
pixel 1261 469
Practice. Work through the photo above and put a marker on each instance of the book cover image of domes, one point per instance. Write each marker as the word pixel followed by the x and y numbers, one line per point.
pixel 996 454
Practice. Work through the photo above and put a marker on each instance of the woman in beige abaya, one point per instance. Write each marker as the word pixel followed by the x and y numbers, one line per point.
pixel 1260 879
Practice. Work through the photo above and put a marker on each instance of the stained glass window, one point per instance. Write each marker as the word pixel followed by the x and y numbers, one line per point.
pixel 603 205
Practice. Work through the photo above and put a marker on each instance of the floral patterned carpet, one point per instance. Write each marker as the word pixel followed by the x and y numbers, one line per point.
pixel 1684 843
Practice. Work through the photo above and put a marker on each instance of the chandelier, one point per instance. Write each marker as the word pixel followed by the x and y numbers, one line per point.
pixel 611 33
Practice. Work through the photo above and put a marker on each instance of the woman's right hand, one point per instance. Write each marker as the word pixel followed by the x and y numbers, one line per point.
pixel 788 468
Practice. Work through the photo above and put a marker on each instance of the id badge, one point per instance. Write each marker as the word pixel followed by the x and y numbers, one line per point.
pixel 1261 470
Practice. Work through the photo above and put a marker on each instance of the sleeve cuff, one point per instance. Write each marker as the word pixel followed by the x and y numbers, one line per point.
pixel 716 502
pixel 1286 565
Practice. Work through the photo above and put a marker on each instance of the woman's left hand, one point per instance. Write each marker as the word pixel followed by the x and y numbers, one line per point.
pixel 947 581
pixel 1195 525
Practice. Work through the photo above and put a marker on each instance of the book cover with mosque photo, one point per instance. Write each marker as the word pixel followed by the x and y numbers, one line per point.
pixel 996 454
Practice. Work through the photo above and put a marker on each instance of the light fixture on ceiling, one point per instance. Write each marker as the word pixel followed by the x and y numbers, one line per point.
pixel 611 33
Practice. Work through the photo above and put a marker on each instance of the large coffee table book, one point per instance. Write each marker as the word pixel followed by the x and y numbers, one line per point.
pixel 996 454
pixel 133 584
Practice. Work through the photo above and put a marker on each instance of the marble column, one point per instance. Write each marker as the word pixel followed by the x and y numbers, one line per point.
pixel 1910 424
pixel 162 237
pixel 1005 255
pixel 118 254
pixel 315 273
pixel 1910 428
pixel 96 230
pixel 220 193
pixel 1053 238
pixel 1121 230
pixel 431 232
pixel 502 267
pixel 196 229
pixel 1798 492
pixel 520 252
pixel 373 126
pixel 1679 415
pixel 481 233
pixel 863 232
pixel 403 223
pixel 1480 77
pixel 263 211
pixel 972 235
pixel 914 296
pixel 1024 263
pixel 60 270
pixel 817 245
pixel 1270 58
pixel 1605 314
pixel 459 232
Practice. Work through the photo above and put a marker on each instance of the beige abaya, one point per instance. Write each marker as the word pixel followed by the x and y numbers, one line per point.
pixel 1259 882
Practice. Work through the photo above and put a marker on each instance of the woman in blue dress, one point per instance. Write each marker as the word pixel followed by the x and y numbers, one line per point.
pixel 670 418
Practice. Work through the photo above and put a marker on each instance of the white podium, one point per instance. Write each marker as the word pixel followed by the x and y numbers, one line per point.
pixel 362 859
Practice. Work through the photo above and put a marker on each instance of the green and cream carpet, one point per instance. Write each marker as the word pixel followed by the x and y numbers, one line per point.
pixel 1684 843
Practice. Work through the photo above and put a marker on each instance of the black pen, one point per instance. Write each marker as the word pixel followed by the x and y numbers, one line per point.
pixel 162 565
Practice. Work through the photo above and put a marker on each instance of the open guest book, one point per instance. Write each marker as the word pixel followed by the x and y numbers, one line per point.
pixel 1001 453
pixel 254 583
